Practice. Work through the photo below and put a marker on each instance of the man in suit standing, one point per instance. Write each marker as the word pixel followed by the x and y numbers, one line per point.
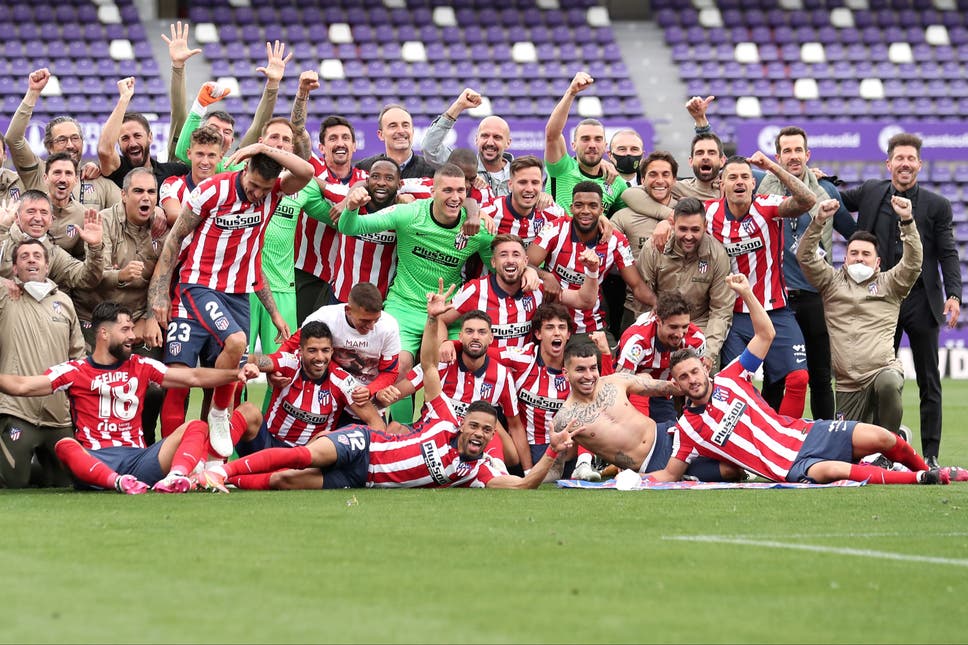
pixel 926 307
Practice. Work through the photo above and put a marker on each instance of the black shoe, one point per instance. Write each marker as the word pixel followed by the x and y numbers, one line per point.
pixel 932 462
pixel 935 476
pixel 882 462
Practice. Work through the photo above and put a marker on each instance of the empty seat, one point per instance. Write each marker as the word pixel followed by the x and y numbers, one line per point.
pixel 748 107
pixel 746 52
pixel 813 52
pixel 121 49
pixel 806 88
pixel 871 88
pixel 900 53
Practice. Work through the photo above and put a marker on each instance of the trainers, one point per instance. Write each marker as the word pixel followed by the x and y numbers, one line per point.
pixel 881 462
pixel 212 480
pixel 130 485
pixel 934 476
pixel 173 483
pixel 932 462
pixel 905 433
pixel 585 471
pixel 956 473
pixel 219 433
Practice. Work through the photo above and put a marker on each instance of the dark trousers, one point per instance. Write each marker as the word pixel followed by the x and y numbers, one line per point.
pixel 921 327
pixel 311 294
pixel 807 306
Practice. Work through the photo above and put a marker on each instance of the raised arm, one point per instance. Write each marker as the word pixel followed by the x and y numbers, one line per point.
pixel 763 331
pixel 107 143
pixel 429 347
pixel 308 82
pixel 298 172
pixel 432 146
pixel 801 198
pixel 555 145
pixel 209 93
pixel 179 53
pixel 815 269
pixel 21 154
pixel 274 70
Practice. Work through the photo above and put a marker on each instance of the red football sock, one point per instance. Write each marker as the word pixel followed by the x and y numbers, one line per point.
pixel 259 481
pixel 192 448
pixel 795 395
pixel 223 396
pixel 875 475
pixel 904 453
pixel 173 410
pixel 269 460
pixel 237 426
pixel 83 465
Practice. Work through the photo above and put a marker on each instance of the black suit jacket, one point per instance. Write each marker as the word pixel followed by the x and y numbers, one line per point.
pixel 932 215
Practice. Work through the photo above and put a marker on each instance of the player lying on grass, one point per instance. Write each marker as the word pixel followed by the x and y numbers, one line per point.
pixel 612 428
pixel 106 391
pixel 728 420
pixel 445 453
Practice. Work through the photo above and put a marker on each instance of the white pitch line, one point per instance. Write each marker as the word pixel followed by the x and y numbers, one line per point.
pixel 867 553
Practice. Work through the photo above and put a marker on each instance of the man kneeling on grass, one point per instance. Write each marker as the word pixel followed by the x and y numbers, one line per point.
pixel 106 391
pixel 728 420
pixel 445 453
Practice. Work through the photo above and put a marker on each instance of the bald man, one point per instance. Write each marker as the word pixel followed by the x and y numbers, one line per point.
pixel 493 139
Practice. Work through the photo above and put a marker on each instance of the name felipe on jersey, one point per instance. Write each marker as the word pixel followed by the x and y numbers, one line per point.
pixel 434 464
pixel 236 221
pixel 728 424
pixel 108 378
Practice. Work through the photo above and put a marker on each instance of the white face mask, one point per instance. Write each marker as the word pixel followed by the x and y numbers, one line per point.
pixel 38 290
pixel 859 272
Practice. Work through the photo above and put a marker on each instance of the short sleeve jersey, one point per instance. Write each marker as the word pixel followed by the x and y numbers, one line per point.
pixel 491 383
pixel 510 313
pixel 565 173
pixel 640 350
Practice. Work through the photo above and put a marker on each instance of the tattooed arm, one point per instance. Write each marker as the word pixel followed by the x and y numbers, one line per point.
pixel 646 386
pixel 265 297
pixel 159 300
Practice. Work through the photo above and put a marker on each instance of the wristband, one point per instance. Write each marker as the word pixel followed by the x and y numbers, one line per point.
pixel 593 276
pixel 243 360
pixel 907 222
pixel 551 452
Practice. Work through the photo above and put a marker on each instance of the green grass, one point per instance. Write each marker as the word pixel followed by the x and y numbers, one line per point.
pixel 493 566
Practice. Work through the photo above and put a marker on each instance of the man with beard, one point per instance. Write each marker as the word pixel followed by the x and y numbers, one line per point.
pixel 604 423
pixel 792 153
pixel 695 265
pixel 502 293
pixel 625 150
pixel 316 237
pixel 560 245
pixel 32 221
pixel 588 143
pixel 62 134
pixel 657 176
pixel 430 244
pixel 38 329
pixel 922 312
pixel 445 453
pixel 67 215
pixel 518 213
pixel 492 141
pixel 106 389
pixel 130 132
pixel 396 132
pixel 726 419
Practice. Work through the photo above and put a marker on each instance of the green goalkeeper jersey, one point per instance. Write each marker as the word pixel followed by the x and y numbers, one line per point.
pixel 278 265
pixel 426 250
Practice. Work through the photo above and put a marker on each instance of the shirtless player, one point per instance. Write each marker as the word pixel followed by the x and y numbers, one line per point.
pixel 612 428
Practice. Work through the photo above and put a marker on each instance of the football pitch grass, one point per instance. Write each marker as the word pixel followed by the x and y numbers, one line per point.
pixel 870 564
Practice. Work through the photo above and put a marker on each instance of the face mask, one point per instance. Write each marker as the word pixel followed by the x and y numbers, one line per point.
pixel 626 164
pixel 859 272
pixel 38 290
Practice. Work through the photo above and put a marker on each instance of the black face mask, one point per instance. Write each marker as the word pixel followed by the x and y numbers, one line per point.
pixel 627 164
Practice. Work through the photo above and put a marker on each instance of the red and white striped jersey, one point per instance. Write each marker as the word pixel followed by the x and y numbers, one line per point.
pixel 427 458
pixel 738 426
pixel 316 243
pixel 560 241
pixel 640 351
pixel 305 408
pixel 224 252
pixel 491 383
pixel 526 227
pixel 542 391
pixel 176 187
pixel 368 257
pixel 754 244
pixel 106 399
pixel 510 313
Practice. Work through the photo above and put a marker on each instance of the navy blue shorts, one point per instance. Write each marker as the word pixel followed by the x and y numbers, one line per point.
pixel 263 440
pixel 143 463
pixel 787 353
pixel 662 409
pixel 826 441
pixel 220 314
pixel 352 457
pixel 189 343
pixel 704 469
pixel 538 451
